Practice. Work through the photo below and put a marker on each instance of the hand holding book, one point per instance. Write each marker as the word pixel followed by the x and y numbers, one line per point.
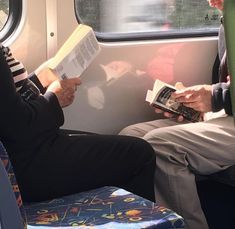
pixel 60 74
pixel 64 90
pixel 196 97
pixel 73 57
pixel 189 102
pixel 179 118
pixel 76 54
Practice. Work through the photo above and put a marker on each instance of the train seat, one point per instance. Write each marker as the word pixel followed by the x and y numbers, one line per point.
pixel 102 208
pixel 226 177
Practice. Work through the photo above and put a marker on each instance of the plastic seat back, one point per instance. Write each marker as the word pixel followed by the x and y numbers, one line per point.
pixel 11 207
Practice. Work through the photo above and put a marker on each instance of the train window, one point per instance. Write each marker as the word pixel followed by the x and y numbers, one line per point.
pixel 122 18
pixel 4 12
pixel 10 13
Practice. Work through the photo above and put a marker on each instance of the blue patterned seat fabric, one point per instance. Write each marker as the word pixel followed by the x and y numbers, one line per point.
pixel 102 208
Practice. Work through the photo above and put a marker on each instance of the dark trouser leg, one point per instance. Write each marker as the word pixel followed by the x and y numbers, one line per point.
pixel 74 164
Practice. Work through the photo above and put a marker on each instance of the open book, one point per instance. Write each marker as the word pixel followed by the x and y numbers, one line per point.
pixel 160 97
pixel 76 53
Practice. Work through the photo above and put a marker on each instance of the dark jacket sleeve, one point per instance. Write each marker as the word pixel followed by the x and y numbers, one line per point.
pixel 33 77
pixel 221 98
pixel 25 119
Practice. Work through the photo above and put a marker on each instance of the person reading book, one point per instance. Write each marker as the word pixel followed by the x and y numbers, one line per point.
pixel 184 149
pixel 49 162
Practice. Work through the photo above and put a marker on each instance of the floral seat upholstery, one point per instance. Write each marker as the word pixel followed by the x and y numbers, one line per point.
pixel 102 208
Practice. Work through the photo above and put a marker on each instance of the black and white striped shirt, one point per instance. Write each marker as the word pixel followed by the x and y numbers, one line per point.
pixel 24 86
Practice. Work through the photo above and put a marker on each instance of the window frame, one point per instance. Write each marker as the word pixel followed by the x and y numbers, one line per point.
pixel 142 36
pixel 13 20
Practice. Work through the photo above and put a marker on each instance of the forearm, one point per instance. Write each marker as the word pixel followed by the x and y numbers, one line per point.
pixel 44 75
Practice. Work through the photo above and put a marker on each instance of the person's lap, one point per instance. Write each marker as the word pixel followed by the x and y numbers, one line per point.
pixel 183 151
pixel 211 141
pixel 78 163
pixel 141 129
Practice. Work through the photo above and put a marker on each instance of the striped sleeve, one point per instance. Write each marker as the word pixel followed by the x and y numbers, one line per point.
pixel 19 73
pixel 24 86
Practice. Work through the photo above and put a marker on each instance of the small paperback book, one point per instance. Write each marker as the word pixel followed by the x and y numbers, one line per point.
pixel 160 97
pixel 76 54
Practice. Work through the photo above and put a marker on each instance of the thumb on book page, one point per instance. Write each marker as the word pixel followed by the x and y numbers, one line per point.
pixel 179 86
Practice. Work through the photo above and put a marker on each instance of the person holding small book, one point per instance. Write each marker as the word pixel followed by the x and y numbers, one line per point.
pixel 184 149
pixel 49 162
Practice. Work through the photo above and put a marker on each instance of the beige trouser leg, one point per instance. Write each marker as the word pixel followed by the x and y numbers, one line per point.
pixel 185 150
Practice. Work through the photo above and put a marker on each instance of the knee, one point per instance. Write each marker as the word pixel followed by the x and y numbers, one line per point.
pixel 141 149
pixel 167 148
pixel 124 131
pixel 157 136
pixel 132 130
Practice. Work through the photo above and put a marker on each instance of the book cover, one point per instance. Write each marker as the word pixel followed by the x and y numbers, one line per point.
pixel 229 27
pixel 160 97
pixel 76 54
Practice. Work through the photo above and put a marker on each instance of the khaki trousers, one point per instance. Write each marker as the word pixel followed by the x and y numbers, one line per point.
pixel 182 151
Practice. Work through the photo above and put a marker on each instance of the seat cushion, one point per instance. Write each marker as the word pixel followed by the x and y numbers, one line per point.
pixel 103 208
